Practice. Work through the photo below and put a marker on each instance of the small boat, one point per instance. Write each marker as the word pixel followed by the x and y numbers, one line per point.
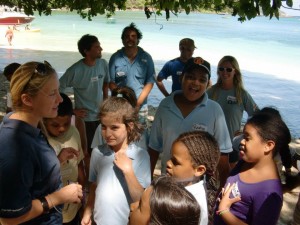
pixel 111 20
pixel 14 18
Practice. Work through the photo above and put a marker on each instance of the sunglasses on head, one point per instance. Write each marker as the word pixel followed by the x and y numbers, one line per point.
pixel 41 68
pixel 228 70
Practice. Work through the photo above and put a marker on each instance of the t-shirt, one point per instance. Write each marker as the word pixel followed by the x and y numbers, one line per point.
pixel 260 202
pixel 29 169
pixel 112 196
pixel 87 82
pixel 69 169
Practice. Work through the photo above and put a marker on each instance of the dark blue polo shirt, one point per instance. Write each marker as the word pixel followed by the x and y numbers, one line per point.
pixel 29 169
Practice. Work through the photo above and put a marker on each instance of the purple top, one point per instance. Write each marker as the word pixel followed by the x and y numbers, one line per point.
pixel 260 202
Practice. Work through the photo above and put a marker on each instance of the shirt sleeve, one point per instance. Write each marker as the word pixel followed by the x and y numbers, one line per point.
pixel 266 209
pixel 164 73
pixel 150 71
pixel 107 77
pixel 65 80
pixel 112 68
pixel 143 173
pixel 249 104
pixel 155 141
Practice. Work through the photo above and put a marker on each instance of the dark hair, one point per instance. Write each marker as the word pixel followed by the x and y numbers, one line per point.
pixel 10 69
pixel 121 110
pixel 284 151
pixel 204 150
pixel 85 43
pixel 172 204
pixel 65 108
pixel 270 126
pixel 132 27
pixel 127 93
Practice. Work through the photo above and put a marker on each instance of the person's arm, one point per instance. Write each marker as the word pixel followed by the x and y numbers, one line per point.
pixel 112 85
pixel 125 164
pixel 223 168
pixel 89 208
pixel 161 86
pixel 105 90
pixel 153 159
pixel 68 194
pixel 144 94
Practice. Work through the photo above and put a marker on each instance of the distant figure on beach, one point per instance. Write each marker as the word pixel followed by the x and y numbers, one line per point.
pixel 9 35
pixel 175 66
pixel 27 27
pixel 253 192
pixel 133 67
pixel 8 72
pixel 89 79
pixel 119 169
pixel 230 93
pixel 65 140
pixel 189 109
pixel 30 181
pixel 15 27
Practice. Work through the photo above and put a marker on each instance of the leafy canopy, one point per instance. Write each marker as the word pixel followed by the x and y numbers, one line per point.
pixel 243 9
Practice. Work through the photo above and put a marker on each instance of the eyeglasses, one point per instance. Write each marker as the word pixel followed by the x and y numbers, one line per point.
pixel 228 70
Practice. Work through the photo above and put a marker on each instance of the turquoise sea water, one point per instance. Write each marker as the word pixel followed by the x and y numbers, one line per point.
pixel 268 50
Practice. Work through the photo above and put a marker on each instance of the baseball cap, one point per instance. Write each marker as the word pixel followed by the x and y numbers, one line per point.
pixel 196 62
pixel 187 42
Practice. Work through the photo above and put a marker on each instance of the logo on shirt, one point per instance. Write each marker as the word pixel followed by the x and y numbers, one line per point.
pixel 178 73
pixel 235 190
pixel 231 100
pixel 94 79
pixel 199 127
pixel 120 74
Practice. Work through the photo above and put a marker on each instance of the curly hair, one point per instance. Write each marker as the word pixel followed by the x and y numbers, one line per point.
pixel 204 150
pixel 121 110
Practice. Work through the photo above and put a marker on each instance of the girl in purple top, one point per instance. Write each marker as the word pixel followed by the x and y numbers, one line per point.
pixel 252 194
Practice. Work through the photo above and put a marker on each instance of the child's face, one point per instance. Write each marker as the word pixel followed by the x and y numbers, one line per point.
pixel 114 133
pixel 180 165
pixel 252 147
pixel 194 84
pixel 58 126
pixel 140 211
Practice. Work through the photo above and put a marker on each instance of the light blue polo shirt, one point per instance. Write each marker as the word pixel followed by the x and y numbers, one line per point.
pixel 87 82
pixel 113 200
pixel 169 124
pixel 134 75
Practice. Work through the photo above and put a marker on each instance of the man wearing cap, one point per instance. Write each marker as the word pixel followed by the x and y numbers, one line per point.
pixel 189 109
pixel 175 66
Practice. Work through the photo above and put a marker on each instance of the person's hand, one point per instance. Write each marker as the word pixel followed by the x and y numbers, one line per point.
pixel 123 162
pixel 72 193
pixel 67 154
pixel 86 220
pixel 226 201
pixel 81 113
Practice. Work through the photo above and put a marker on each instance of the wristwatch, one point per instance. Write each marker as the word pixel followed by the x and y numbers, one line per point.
pixel 45 205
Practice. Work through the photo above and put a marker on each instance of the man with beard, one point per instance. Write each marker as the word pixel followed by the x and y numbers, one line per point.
pixel 89 79
pixel 133 67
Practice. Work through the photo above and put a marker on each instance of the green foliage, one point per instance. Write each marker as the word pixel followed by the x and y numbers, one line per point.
pixel 243 9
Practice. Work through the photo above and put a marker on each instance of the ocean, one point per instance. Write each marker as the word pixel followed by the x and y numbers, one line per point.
pixel 268 51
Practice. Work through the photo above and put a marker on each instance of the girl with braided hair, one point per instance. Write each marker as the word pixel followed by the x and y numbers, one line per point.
pixel 194 159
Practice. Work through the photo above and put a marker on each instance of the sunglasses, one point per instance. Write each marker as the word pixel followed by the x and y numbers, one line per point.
pixel 40 69
pixel 228 70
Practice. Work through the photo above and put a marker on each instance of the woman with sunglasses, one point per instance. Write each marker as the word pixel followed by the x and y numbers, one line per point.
pixel 229 92
pixel 30 181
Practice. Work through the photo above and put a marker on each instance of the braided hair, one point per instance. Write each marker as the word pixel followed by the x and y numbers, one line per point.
pixel 204 150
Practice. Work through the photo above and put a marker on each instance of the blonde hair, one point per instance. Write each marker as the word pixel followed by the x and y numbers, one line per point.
pixel 237 79
pixel 121 110
pixel 28 80
pixel 204 150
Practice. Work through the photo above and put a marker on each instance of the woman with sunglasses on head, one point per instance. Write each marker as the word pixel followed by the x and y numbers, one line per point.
pixel 30 181
pixel 229 92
